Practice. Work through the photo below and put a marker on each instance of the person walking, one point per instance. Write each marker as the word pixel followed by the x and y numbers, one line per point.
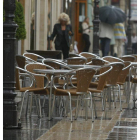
pixel 120 38
pixel 86 31
pixel 62 30
pixel 134 43
pixel 105 34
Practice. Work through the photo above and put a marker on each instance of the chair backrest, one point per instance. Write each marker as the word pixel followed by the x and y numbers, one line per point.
pixel 84 77
pixel 21 61
pixel 33 56
pixel 88 55
pixel 76 61
pixel 112 59
pixel 97 61
pixel 73 55
pixel 39 80
pixel 125 71
pixel 115 72
pixel 128 58
pixel 53 64
pixel 103 78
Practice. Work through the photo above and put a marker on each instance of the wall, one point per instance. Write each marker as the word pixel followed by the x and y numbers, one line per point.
pixel 42 9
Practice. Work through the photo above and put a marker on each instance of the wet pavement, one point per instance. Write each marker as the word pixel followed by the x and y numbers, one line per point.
pixel 117 126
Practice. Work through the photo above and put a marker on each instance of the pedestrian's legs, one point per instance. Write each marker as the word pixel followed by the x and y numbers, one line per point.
pixel 102 46
pixel 115 47
pixel 65 50
pixel 120 46
pixel 87 42
pixel 58 48
pixel 134 48
pixel 107 46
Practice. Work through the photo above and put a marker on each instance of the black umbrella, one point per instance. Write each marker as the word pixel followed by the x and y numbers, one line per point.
pixel 111 15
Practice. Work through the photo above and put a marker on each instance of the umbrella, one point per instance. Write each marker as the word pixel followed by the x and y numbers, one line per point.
pixel 111 15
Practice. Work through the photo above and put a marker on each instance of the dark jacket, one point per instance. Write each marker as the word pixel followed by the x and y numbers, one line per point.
pixel 59 34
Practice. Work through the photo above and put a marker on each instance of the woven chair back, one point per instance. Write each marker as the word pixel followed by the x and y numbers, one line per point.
pixel 128 58
pixel 89 56
pixel 32 56
pixel 112 59
pixel 53 64
pixel 123 74
pixel 97 61
pixel 84 78
pixel 114 74
pixel 76 61
pixel 39 80
pixel 103 79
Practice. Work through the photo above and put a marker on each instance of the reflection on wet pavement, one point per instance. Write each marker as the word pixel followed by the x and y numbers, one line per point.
pixel 117 126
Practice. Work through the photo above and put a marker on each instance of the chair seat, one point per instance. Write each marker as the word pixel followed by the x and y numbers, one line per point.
pixel 35 90
pixel 94 90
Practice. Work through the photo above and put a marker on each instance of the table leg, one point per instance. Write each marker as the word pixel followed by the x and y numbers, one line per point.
pixel 50 97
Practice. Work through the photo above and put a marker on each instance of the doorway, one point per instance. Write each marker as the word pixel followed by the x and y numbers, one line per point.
pixel 81 13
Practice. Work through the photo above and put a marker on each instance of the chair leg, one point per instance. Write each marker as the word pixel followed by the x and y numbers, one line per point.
pixel 39 106
pixel 102 101
pixel 105 104
pixel 114 97
pixel 22 104
pixel 134 96
pixel 27 104
pixel 31 102
pixel 44 101
pixel 70 106
pixel 76 112
pixel 92 112
pixel 86 109
pixel 53 103
pixel 109 98
pixel 94 107
pixel 120 97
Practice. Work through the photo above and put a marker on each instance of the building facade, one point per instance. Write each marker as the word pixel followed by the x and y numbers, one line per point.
pixel 41 15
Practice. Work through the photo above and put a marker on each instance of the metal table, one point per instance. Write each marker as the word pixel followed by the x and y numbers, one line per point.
pixel 84 66
pixel 53 73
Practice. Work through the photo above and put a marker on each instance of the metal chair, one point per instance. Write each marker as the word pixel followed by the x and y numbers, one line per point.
pixel 37 87
pixel 112 81
pixel 76 61
pixel 99 87
pixel 130 58
pixel 84 77
pixel 112 59
pixel 21 62
pixel 122 78
pixel 88 55
pixel 33 56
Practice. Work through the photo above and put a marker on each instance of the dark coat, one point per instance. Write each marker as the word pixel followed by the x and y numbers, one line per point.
pixel 59 34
